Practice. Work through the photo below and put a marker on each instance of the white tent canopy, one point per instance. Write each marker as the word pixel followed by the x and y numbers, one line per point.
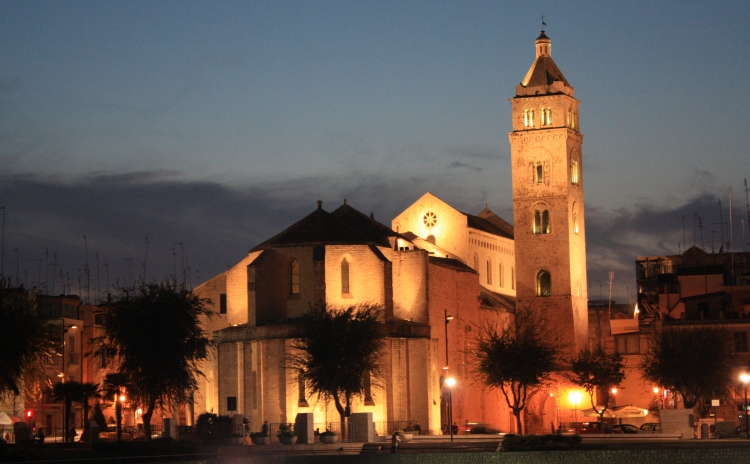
pixel 9 419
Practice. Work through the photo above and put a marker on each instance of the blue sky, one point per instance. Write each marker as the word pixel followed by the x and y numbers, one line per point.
pixel 218 124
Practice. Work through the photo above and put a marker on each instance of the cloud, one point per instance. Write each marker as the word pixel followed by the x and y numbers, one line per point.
pixel 459 164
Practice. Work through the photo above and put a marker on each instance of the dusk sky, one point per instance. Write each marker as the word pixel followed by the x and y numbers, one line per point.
pixel 218 124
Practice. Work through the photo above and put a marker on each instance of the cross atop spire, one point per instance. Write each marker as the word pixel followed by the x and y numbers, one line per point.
pixel 543 24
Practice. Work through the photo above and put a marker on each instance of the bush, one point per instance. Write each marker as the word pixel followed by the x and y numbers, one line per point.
pixel 549 442
pixel 328 433
pixel 726 429
pixel 209 425
pixel 287 430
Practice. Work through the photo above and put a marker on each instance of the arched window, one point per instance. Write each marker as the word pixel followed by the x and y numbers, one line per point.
pixel 543 284
pixel 294 271
pixel 539 174
pixel 546 117
pixel 528 118
pixel 541 222
pixel 489 272
pixel 500 274
pixel 575 218
pixel 512 277
pixel 476 263
pixel 574 172
pixel 344 276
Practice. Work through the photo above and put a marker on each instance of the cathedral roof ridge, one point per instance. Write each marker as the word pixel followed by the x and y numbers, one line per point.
pixel 345 225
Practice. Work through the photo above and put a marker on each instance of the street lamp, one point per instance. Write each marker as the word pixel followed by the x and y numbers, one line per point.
pixel 447 320
pixel 575 398
pixel 745 379
pixel 450 381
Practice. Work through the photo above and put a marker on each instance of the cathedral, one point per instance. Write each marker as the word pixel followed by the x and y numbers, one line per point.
pixel 439 274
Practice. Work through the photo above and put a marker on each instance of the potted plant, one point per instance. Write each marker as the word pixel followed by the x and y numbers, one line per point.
pixel 260 438
pixel 287 434
pixel 329 437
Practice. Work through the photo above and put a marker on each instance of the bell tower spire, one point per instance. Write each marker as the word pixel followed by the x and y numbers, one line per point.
pixel 550 234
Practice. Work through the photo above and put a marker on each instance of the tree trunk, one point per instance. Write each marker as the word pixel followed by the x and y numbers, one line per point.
pixel 118 418
pixel 519 425
pixel 342 414
pixel 67 406
pixel 147 419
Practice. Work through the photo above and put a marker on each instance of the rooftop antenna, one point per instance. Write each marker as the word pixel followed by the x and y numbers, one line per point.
pixel 609 308
pixel 721 224
pixel 98 289
pixel 18 282
pixel 46 266
pixel 683 233
pixel 700 228
pixel 747 207
pixel 145 258
pixel 39 274
pixel 2 247
pixel 742 223
pixel 695 216
pixel 54 270
pixel 86 274
pixel 712 240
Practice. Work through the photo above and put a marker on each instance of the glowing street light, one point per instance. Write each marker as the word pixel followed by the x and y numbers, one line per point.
pixel 575 398
pixel 745 379
pixel 450 381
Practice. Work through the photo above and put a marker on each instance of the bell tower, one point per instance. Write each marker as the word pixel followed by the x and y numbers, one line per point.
pixel 547 171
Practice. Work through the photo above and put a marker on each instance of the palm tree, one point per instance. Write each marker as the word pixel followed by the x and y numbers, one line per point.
pixel 67 393
pixel 116 385
pixel 88 391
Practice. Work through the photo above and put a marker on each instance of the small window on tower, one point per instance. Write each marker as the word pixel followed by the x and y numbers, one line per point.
pixel 539 174
pixel 543 284
pixel 541 222
pixel 546 117
pixel 574 172
pixel 294 271
pixel 528 118
pixel 344 276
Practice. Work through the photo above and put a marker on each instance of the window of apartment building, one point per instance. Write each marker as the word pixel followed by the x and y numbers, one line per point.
pixel 740 342
pixel 543 284
pixel 627 344
pixel 223 303
pixel 295 277
pixel 541 222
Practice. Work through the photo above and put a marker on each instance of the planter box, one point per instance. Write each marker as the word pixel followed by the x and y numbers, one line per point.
pixel 329 439
pixel 261 440
pixel 406 436
pixel 288 440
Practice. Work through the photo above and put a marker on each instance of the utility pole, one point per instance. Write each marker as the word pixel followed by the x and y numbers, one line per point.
pixel 611 278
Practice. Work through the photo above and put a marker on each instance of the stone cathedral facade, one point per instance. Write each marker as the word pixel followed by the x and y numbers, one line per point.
pixel 432 261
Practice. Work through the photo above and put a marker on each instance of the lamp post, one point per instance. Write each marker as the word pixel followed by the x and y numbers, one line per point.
pixel 745 379
pixel 450 381
pixel 447 320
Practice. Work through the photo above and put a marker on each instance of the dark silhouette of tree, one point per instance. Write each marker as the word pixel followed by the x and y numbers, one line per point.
pixel 339 352
pixel 153 335
pixel 695 362
pixel 98 416
pixel 597 371
pixel 66 393
pixel 88 392
pixel 517 357
pixel 115 385
pixel 27 342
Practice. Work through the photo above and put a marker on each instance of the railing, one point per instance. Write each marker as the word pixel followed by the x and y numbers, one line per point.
pixel 388 427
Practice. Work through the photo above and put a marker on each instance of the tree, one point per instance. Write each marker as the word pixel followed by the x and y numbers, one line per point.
pixel 339 352
pixel 88 392
pixel 597 371
pixel 696 363
pixel 116 385
pixel 517 357
pixel 27 342
pixel 67 393
pixel 153 335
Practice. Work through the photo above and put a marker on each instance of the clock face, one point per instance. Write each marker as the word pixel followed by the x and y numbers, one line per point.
pixel 430 219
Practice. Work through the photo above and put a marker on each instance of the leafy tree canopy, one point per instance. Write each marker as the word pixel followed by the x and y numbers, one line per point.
pixel 595 370
pixel 153 335
pixel 339 351
pixel 27 342
pixel 517 357
pixel 697 363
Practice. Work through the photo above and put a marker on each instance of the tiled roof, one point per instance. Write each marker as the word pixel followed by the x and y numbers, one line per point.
pixel 543 73
pixel 479 223
pixel 451 263
pixel 345 226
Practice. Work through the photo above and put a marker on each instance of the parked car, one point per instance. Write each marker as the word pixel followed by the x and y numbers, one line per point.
pixel 595 427
pixel 625 428
pixel 651 427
